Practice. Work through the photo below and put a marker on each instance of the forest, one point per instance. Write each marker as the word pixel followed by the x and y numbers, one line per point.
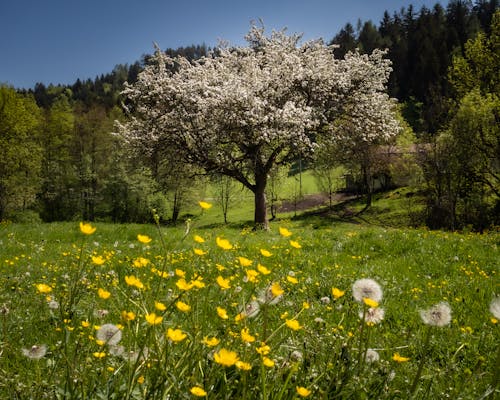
pixel 62 159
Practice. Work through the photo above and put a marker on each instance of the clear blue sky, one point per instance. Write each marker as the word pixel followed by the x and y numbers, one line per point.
pixel 58 41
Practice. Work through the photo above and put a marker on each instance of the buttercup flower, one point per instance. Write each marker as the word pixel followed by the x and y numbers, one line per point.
pixel 181 306
pixel 98 260
pixel 366 288
pixel 244 366
pixel 293 324
pixel 103 293
pixel 204 205
pixel 337 293
pixel 295 244
pixel 145 239
pixel 396 357
pixel 302 391
pixel 284 232
pixel 210 342
pixel 226 357
pixel 223 243
pixel 87 229
pixel 153 319
pixel 176 335
pixel 109 334
pixel 244 262
pixel 43 288
pixel 198 239
pixel 222 313
pixel 437 315
pixel 265 253
pixel 223 282
pixel 198 391
pixel 246 336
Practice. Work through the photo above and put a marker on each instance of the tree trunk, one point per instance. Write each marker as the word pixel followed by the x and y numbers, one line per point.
pixel 260 217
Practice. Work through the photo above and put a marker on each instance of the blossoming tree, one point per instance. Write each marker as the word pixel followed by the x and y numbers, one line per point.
pixel 243 110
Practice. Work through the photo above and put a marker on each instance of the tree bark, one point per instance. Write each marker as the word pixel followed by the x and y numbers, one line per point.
pixel 260 216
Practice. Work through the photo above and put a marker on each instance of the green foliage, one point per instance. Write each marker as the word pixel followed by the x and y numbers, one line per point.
pixel 20 149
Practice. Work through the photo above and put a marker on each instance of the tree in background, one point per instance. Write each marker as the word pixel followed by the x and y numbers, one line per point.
pixel 250 108
pixel 20 151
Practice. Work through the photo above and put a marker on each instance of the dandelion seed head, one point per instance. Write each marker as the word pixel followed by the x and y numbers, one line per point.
pixel 495 307
pixel 371 356
pixel 437 315
pixel 109 334
pixel 373 315
pixel 366 288
pixel 35 352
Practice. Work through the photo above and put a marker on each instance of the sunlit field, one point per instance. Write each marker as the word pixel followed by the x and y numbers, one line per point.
pixel 320 311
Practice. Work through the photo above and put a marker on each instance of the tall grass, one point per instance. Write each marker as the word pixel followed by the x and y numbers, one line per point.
pixel 226 312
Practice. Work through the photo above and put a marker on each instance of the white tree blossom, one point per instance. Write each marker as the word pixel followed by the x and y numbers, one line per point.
pixel 242 110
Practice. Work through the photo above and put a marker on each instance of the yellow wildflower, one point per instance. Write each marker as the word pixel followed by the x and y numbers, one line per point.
pixel 140 262
pixel 199 252
pixel 252 275
pixel 180 273
pixel 144 238
pixel 263 270
pixel 295 244
pixel 302 391
pixel 87 229
pixel 396 357
pixel 43 288
pixel 246 336
pixel 276 289
pixel 198 239
pixel 267 362
pixel 210 342
pixel 153 319
pixel 103 293
pixel 223 283
pixel 284 232
pixel 99 354
pixel 244 262
pixel 263 350
pixel 183 285
pixel 98 260
pixel 222 313
pixel 337 293
pixel 292 279
pixel 140 380
pixel 176 335
pixel 244 366
pixel 128 315
pixel 223 243
pixel 160 306
pixel 133 281
pixel 293 324
pixel 198 391
pixel 181 306
pixel 265 253
pixel 204 205
pixel 370 302
pixel 226 357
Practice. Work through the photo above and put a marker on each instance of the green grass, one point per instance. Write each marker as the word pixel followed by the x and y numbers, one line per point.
pixel 416 269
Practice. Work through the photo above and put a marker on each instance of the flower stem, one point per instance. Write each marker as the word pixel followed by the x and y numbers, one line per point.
pixel 422 360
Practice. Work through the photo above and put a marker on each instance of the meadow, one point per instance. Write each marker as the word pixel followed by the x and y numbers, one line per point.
pixel 310 309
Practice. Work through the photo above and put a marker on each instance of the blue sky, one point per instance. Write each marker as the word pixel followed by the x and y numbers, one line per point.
pixel 58 41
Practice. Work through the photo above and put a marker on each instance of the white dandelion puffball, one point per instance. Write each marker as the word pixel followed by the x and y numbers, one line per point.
pixel 495 307
pixel 373 315
pixel 371 356
pixel 437 315
pixel 35 352
pixel 366 288
pixel 110 334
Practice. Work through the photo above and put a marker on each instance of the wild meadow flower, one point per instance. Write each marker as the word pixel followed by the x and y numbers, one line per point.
pixel 226 357
pixel 176 335
pixel 103 293
pixel 495 307
pixel 295 244
pixel 251 275
pixel 133 281
pixel 223 243
pixel 210 342
pixel 204 205
pixel 116 350
pixel 128 315
pixel 284 232
pixel 302 391
pixel 251 309
pixel 268 362
pixel 272 294
pixel 98 260
pixel 222 313
pixel 35 352
pixel 198 239
pixel 242 365
pixel 181 306
pixel 87 229
pixel 263 270
pixel 109 334
pixel 101 313
pixel 160 306
pixel 198 391
pixel 366 288
pixel 244 262
pixel 53 305
pixel 265 253
pixel 223 283
pixel 438 315
pixel 183 285
pixel 43 288
pixel 99 354
pixel 292 279
pixel 370 302
pixel 200 252
pixel 293 324
pixel 246 336
pixel 371 356
pixel 372 316
pixel 153 319
pixel 144 239
pixel 337 293
pixel 140 262
pixel 396 357
pixel 263 349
